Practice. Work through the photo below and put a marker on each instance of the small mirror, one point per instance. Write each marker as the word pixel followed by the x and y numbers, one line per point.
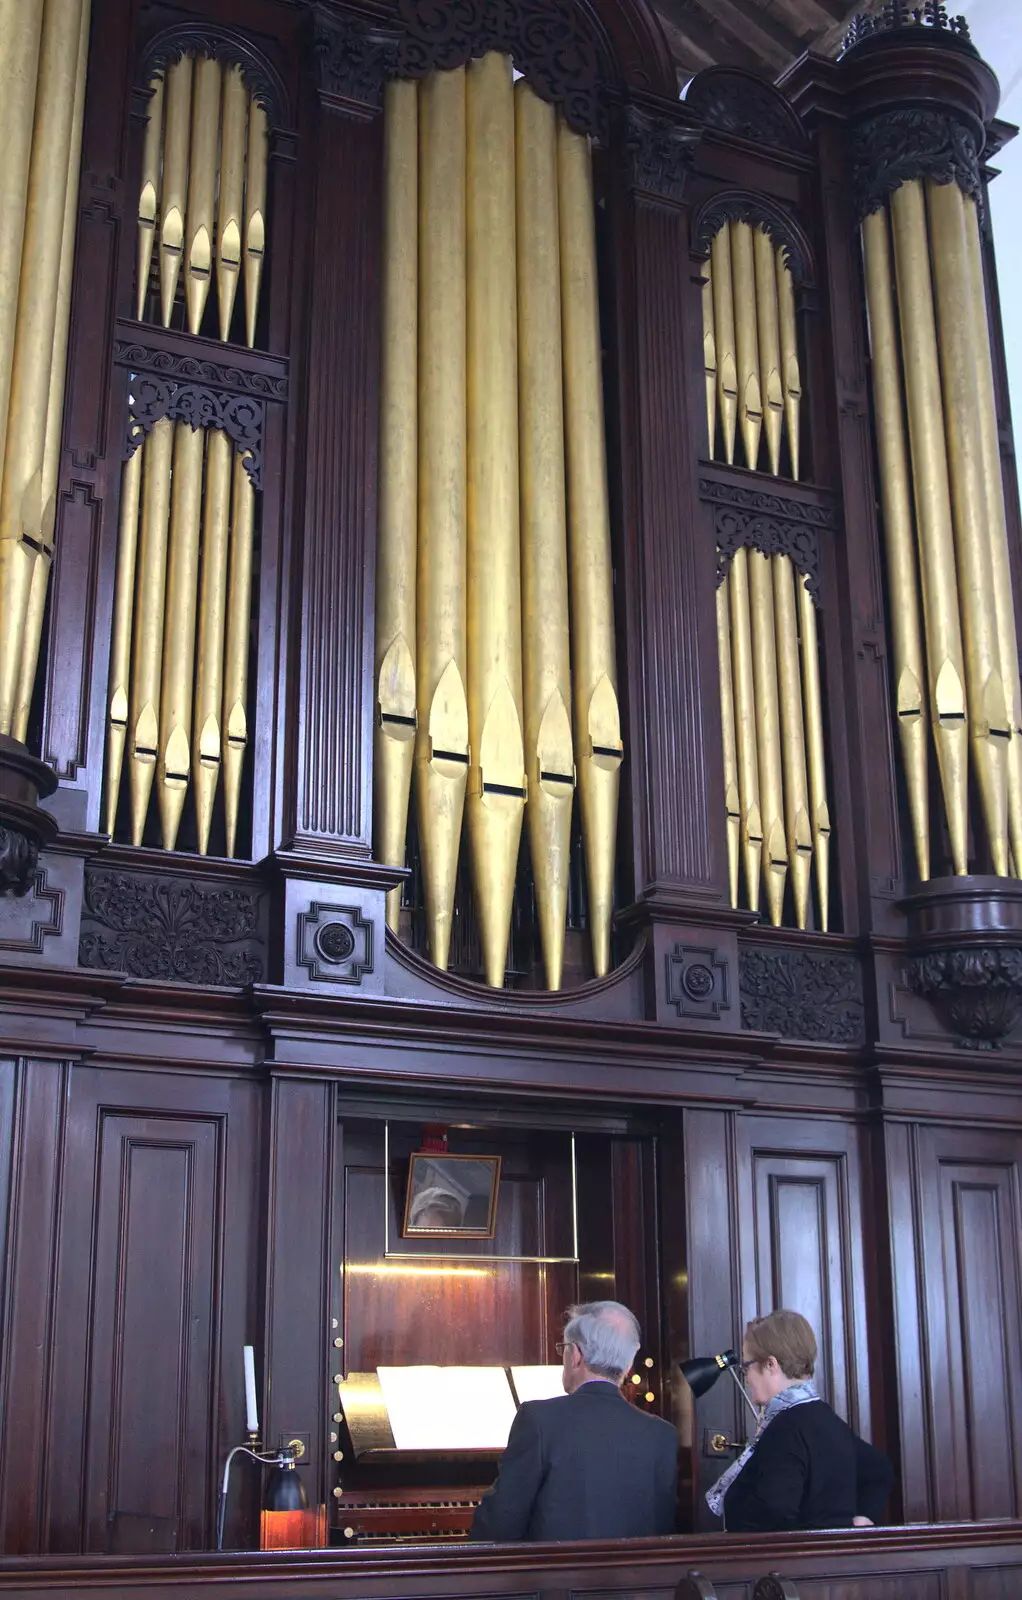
pixel 451 1197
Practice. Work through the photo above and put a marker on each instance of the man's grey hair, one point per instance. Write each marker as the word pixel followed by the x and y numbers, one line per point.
pixel 607 1336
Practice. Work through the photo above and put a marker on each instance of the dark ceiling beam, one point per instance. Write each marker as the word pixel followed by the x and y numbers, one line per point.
pixel 774 44
pixel 709 43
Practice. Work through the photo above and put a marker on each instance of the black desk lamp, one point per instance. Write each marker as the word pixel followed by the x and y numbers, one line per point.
pixel 702 1372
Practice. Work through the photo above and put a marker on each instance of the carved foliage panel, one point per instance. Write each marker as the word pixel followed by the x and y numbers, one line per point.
pixel 173 928
pixel 802 994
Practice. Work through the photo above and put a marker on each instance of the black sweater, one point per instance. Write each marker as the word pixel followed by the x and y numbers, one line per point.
pixel 809 1470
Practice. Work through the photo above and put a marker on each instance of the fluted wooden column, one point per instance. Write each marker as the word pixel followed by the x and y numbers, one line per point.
pixel 675 781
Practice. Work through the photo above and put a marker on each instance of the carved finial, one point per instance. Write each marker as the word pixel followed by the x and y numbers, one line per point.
pixel 896 15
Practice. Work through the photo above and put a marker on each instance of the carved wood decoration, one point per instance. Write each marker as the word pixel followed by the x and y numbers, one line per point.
pixel 738 205
pixel 741 104
pixel 771 523
pixel 158 926
pixel 802 994
pixel 896 146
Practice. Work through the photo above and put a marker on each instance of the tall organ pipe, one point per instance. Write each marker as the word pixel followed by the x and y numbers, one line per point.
pixel 598 747
pixel 988 714
pixel 147 648
pixel 732 807
pixel 394 739
pixel 149 195
pixel 812 698
pixel 549 757
pixel 496 790
pixel 797 827
pixel 20 36
pixel 22 511
pixel 750 404
pixel 120 645
pixel 36 608
pixel 230 201
pixel 899 537
pixel 442 748
pixel 771 388
pixel 202 186
pixel 745 725
pixel 174 185
pixel 178 668
pixel 255 214
pixel 724 328
pixel 207 733
pixel 993 488
pixel 791 377
pixel 239 605
pixel 945 657
pixel 768 732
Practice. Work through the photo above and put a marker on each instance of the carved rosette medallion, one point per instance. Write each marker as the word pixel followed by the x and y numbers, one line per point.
pixel 697 981
pixel 976 991
pixel 335 943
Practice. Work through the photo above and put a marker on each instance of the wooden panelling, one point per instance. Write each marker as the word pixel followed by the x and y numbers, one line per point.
pixel 801 1246
pixel 152 1332
pixel 298 1356
pixel 29 1318
pixel 971 1223
pixel 995 1583
pixel 155 1265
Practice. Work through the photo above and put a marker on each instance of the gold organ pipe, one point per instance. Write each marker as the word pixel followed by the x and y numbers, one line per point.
pixel 768 733
pixel 496 789
pixel 732 806
pixel 750 403
pixel 120 645
pixel 791 377
pixel 797 827
pixel 20 36
pixel 988 712
pixel 710 361
pixel 22 512
pixel 149 195
pixel 174 763
pixel 769 345
pixel 177 124
pixel 944 653
pixel 234 722
pixel 745 725
pixel 395 551
pixel 812 699
pixel 724 331
pixel 231 200
pixel 598 747
pixel 36 608
pixel 549 755
pixel 899 537
pixel 255 214
pixel 202 177
pixel 993 485
pixel 207 737
pixel 442 748
pixel 147 647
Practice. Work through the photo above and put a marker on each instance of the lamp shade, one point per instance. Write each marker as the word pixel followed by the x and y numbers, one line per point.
pixel 702 1372
pixel 285 1490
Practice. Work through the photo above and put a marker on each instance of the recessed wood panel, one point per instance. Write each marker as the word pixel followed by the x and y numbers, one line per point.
pixel 801 1247
pixel 969 1204
pixel 152 1332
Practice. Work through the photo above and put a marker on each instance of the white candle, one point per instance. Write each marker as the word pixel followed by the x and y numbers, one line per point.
pixel 251 1409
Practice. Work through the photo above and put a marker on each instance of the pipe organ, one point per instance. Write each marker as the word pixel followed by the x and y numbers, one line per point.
pixel 43 53
pixel 496 682
pixel 178 696
pixel 954 660
pixel 775 773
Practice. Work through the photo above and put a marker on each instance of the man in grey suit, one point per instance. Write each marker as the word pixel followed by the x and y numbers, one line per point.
pixel 586 1465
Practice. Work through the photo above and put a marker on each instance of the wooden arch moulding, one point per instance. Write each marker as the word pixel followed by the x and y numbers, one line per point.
pixel 230 48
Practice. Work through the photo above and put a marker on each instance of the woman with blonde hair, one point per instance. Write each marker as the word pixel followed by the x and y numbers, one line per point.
pixel 805 1468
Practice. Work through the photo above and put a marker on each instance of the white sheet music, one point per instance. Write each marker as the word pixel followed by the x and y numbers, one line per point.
pixel 448 1408
pixel 537 1383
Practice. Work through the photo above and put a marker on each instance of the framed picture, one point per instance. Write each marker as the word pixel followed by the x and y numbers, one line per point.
pixel 451 1197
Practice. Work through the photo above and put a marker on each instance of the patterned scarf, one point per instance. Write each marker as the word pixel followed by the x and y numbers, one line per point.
pixel 797 1394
